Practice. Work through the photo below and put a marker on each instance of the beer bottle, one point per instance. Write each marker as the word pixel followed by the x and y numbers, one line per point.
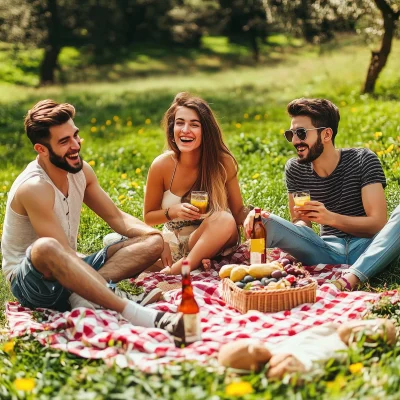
pixel 258 240
pixel 190 310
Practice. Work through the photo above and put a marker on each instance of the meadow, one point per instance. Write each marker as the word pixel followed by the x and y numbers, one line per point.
pixel 120 124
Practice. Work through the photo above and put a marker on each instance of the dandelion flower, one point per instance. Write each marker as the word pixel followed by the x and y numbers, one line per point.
pixel 380 153
pixel 148 121
pixel 25 384
pixel 115 118
pixel 255 176
pixel 257 117
pixel 8 347
pixel 138 170
pixel 93 129
pixel 238 389
pixel 124 176
pixel 129 123
pixel 238 125
pixel 281 131
pixel 353 109
pixel 343 103
pixel 4 187
pixel 92 163
pixel 246 115
pixel 378 134
pixel 93 120
pixel 108 122
pixel 121 197
pixel 134 184
pixel 140 131
pixel 355 368
pixel 390 148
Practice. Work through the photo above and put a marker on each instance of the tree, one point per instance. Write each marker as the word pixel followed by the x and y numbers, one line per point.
pixel 390 15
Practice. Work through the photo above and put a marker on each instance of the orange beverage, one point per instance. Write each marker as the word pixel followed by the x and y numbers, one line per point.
pixel 258 240
pixel 190 310
pixel 199 200
pixel 300 198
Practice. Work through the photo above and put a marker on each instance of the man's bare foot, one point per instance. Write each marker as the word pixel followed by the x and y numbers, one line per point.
pixel 347 282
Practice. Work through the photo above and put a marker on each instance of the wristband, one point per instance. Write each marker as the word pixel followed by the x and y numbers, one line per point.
pixel 167 215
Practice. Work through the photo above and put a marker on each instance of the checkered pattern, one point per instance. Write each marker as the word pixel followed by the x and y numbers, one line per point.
pixel 105 334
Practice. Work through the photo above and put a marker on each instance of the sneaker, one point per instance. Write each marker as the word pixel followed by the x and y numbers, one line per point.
pixel 143 298
pixel 173 324
pixel 113 238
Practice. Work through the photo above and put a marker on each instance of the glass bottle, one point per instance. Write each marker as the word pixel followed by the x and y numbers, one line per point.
pixel 258 240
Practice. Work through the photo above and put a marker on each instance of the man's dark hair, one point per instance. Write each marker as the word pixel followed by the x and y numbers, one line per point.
pixel 321 112
pixel 43 116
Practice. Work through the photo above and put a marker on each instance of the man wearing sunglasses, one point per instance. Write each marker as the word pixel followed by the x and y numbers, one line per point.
pixel 347 199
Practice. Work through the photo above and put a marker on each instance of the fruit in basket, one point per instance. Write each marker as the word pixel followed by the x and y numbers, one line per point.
pixel 262 270
pixel 276 274
pixel 285 261
pixel 225 271
pixel 238 273
pixel 240 285
pixel 247 279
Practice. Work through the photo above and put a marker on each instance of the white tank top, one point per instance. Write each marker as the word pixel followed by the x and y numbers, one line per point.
pixel 18 233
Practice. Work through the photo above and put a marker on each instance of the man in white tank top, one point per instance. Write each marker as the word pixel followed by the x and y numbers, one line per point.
pixel 39 240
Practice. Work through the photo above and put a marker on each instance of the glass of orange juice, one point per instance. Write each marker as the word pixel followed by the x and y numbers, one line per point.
pixel 300 198
pixel 199 200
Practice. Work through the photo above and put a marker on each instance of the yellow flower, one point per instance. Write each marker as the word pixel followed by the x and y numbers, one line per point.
pixel 343 103
pixel 378 134
pixel 245 115
pixel 93 120
pixel 281 130
pixel 129 123
pixel 355 368
pixel 124 176
pixel 111 182
pixel 93 129
pixel 238 125
pixel 102 127
pixel 134 184
pixel 238 389
pixel 4 187
pixel 115 118
pixel 140 131
pixel 8 347
pixel 25 384
pixel 380 153
pixel 121 197
pixel 92 163
pixel 148 121
pixel 257 117
pixel 337 384
pixel 255 176
pixel 108 122
pixel 390 148
pixel 138 170
pixel 353 109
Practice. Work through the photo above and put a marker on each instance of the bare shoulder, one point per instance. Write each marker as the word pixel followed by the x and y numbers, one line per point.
pixel 230 166
pixel 164 162
pixel 33 191
pixel 90 175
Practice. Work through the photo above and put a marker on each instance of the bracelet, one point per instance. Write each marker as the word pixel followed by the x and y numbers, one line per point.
pixel 167 215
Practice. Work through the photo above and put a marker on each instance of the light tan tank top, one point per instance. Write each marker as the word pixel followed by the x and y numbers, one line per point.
pixel 18 232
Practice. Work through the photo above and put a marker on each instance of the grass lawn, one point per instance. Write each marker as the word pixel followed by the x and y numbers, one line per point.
pixel 120 124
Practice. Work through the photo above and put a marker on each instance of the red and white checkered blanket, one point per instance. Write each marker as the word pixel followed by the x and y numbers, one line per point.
pixel 104 334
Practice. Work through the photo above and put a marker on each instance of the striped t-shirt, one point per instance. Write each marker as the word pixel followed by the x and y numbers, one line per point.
pixel 340 192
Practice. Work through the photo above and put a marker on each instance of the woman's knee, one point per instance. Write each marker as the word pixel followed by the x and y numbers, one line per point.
pixel 223 219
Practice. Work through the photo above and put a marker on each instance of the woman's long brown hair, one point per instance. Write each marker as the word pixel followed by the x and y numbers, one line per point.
pixel 212 175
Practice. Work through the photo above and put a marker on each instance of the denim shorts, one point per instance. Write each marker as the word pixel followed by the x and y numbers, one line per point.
pixel 32 290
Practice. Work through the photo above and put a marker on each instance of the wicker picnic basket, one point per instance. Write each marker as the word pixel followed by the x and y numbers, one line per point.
pixel 267 300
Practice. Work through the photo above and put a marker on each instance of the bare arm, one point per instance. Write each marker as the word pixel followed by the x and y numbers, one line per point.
pixel 100 202
pixel 374 202
pixel 35 198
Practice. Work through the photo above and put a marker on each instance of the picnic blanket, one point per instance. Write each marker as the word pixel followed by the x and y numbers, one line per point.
pixel 105 334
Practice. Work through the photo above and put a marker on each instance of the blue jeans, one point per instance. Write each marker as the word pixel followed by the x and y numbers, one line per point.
pixel 367 256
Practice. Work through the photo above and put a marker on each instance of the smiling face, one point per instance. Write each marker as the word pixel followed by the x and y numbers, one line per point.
pixel 187 129
pixel 64 147
pixel 311 148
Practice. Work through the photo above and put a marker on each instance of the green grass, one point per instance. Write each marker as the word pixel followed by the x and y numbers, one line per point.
pixel 120 124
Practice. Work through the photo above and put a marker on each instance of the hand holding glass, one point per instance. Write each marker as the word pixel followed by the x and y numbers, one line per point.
pixel 199 200
pixel 300 198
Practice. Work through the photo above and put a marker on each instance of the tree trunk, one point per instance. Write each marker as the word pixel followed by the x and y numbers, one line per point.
pixel 380 57
pixel 53 45
pixel 255 46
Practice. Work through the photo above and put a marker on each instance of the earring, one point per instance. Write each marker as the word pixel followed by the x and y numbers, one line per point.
pixel 173 140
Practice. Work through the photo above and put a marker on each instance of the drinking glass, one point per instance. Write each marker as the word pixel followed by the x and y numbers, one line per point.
pixel 300 198
pixel 199 200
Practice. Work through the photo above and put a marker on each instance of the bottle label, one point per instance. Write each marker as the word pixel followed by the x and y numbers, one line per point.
pixel 257 251
pixel 192 327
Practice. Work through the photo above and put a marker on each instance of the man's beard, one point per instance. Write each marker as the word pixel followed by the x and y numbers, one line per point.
pixel 62 163
pixel 313 153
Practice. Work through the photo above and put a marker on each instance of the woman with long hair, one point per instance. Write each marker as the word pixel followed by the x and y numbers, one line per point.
pixel 197 160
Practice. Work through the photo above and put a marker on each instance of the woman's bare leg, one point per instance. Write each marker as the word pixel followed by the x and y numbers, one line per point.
pixel 215 233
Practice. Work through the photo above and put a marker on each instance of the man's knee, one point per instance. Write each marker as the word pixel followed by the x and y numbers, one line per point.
pixel 155 244
pixel 44 248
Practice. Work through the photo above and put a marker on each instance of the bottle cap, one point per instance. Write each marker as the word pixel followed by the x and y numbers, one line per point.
pixel 185 267
pixel 257 210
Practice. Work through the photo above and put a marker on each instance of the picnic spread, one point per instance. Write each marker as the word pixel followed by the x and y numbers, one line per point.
pixel 105 334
